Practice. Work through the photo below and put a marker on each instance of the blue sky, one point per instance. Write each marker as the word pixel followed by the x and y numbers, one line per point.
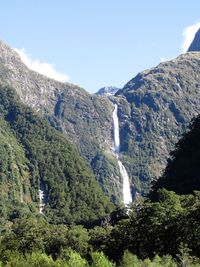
pixel 96 43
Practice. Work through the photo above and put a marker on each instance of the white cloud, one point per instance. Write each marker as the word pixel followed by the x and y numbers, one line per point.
pixel 164 59
pixel 41 67
pixel 189 33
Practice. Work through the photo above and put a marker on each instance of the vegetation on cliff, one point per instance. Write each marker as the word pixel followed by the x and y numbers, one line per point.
pixel 34 155
pixel 155 107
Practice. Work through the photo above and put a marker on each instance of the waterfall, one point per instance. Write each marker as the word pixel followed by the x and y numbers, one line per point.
pixel 127 198
pixel 116 130
pixel 41 199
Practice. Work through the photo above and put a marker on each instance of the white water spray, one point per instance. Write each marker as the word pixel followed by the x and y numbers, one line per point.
pixel 127 198
pixel 41 198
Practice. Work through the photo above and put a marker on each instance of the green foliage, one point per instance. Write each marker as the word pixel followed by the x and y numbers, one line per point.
pixel 73 258
pixel 106 171
pixel 100 260
pixel 39 259
pixel 163 232
pixel 27 235
pixel 129 260
pixel 184 257
pixel 87 120
pixel 33 155
pixel 157 117
pixel 157 228
pixel 182 172
pixel 145 239
pixel 153 228
pixel 77 239
pixel 35 259
pixel 99 238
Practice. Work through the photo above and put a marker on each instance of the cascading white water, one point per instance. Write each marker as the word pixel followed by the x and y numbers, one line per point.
pixel 127 198
pixel 41 198
pixel 116 130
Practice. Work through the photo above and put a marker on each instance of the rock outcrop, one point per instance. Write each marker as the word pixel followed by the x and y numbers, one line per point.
pixel 154 109
pixel 107 90
pixel 195 45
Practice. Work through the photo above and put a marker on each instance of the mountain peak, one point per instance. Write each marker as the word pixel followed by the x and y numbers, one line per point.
pixel 8 55
pixel 195 45
pixel 107 90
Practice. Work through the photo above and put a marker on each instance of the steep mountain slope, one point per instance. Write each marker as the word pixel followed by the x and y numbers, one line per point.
pixel 49 96
pixel 85 119
pixel 195 45
pixel 35 156
pixel 107 90
pixel 182 173
pixel 156 108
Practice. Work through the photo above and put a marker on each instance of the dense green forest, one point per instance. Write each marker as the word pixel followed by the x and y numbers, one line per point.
pixel 162 233
pixel 33 154
pixel 162 229
pixel 156 231
pixel 182 174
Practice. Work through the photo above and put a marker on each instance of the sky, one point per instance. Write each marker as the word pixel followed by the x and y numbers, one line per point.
pixel 96 43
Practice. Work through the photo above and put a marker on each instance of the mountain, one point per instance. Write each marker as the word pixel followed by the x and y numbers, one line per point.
pixel 107 90
pixel 195 45
pixel 85 119
pixel 182 172
pixel 154 109
pixel 35 159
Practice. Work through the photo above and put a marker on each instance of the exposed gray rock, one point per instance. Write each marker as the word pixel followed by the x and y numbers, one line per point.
pixel 85 119
pixel 154 109
pixel 195 45
pixel 162 101
pixel 107 90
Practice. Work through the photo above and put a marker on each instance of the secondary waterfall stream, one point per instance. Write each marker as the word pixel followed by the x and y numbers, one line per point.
pixel 127 197
pixel 41 198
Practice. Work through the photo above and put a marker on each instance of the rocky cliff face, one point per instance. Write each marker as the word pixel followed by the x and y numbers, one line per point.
pixel 36 159
pixel 49 96
pixel 107 90
pixel 85 119
pixel 195 45
pixel 154 109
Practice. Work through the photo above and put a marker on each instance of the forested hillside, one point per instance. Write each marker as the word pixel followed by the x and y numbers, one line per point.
pixel 154 109
pixel 182 173
pixel 162 232
pixel 77 225
pixel 35 156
